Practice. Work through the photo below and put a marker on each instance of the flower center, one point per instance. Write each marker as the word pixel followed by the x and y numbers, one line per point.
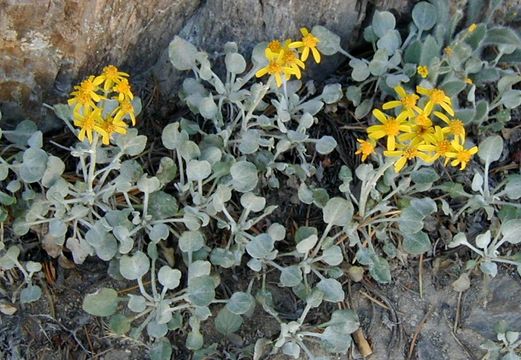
pixel 310 41
pixel 410 153
pixel 111 72
pixel 123 87
pixel 274 67
pixel 392 127
pixel 457 128
pixel 443 147
pixel 437 96
pixel 289 57
pixel 423 120
pixel 367 148
pixel 275 46
pixel 464 156
pixel 409 101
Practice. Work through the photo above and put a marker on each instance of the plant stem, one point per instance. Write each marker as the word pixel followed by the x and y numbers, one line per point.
pixel 92 164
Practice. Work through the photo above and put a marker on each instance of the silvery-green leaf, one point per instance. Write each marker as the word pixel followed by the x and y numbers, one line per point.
pixel 103 302
pixel 416 243
pixel 161 349
pixel 194 340
pixel 201 290
pixel 156 330
pixel 332 255
pixel 380 270
pixel 4 171
pixel 325 144
pixel 235 63
pixel 221 196
pixel 305 194
pixel 148 184
pixel 182 54
pixel 159 232
pixel 189 150
pixel 390 42
pixel 172 138
pixel 305 245
pixel 198 170
pixel 33 266
pixel 255 264
pixel 208 107
pixel 131 143
pixel 134 267
pixel 424 206
pixel 344 321
pixel 240 303
pixel 364 108
pixel 244 176
pixel 261 246
pixel 394 80
pixel 119 324
pixel 212 154
pixel 511 230
pixel 383 21
pixel 502 36
pixel 513 187
pixel 222 257
pixel 329 42
pixel 482 240
pixel 430 50
pixel 424 15
pixel 354 94
pixel 198 268
pixel 227 322
pixel 167 170
pixel 488 267
pixel 137 303
pixel 8 260
pixel 338 211
pixel 292 349
pixel 162 205
pixel 332 290
pixel 169 277
pixel 332 93
pixel 123 235
pixel 458 239
pixel 30 294
pixel 511 99
pixel 108 248
pixel 290 276
pixel 191 241
pixel 490 149
pixel 378 65
pixel 424 175
pixel 335 342
pixel 453 88
pixel 360 70
pixel 54 170
pixel 477 182
pixel 253 202
pixel 24 130
pixel 277 231
pixel 34 165
pixel 249 142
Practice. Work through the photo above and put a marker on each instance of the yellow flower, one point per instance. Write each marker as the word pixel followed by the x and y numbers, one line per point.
pixel 448 51
pixel 85 94
pixel 390 127
pixel 111 75
pixel 89 120
pixel 472 28
pixel 468 81
pixel 436 97
pixel 423 71
pixel 419 134
pixel 125 108
pixel 405 100
pixel 454 127
pixel 111 126
pixel 276 67
pixel 366 148
pixel 460 155
pixel 275 46
pixel 290 59
pixel 406 153
pixel 308 43
pixel 437 144
pixel 124 90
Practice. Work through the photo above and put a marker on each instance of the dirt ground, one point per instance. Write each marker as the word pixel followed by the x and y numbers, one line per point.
pixel 398 322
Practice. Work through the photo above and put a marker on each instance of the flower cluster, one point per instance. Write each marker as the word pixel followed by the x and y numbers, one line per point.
pixel 100 104
pixel 287 58
pixel 428 132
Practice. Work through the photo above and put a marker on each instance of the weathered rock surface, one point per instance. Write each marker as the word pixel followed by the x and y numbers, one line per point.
pixel 48 45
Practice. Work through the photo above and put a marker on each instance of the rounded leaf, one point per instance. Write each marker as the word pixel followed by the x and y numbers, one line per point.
pixel 134 267
pixel 240 303
pixel 424 15
pixel 169 277
pixel 338 211
pixel 191 241
pixel 490 149
pixel 103 302
pixel 244 176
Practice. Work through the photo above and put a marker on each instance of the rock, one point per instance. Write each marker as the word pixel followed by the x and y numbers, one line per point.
pixel 47 46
